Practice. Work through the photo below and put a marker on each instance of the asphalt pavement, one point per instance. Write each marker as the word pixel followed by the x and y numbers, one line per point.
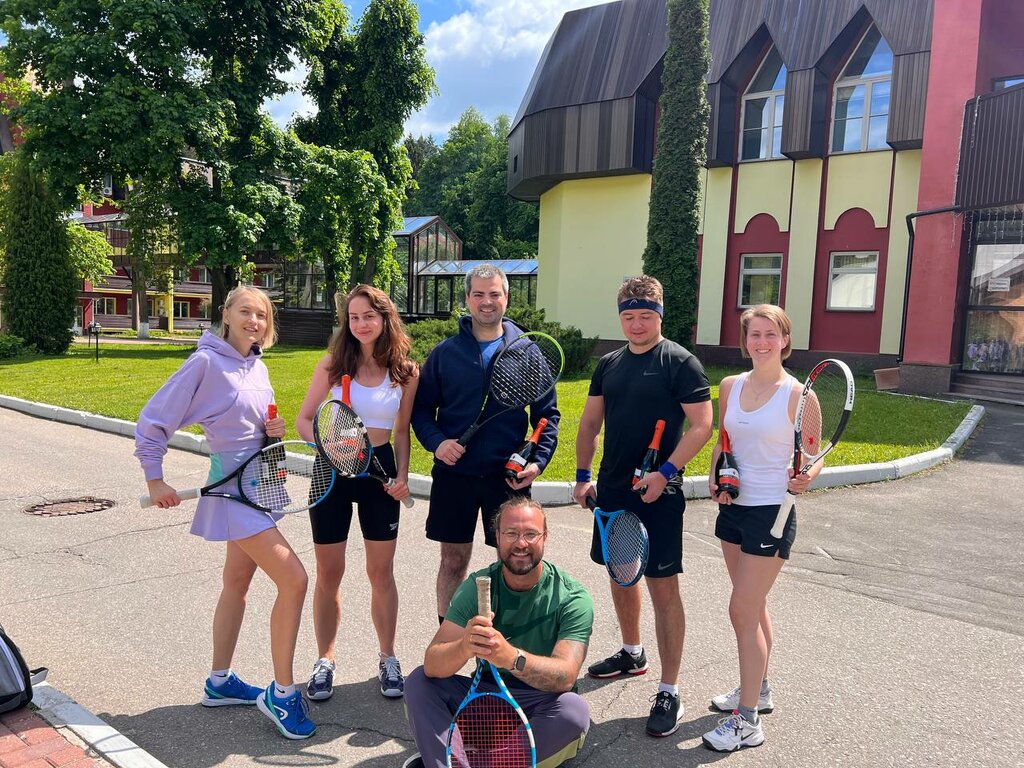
pixel 899 634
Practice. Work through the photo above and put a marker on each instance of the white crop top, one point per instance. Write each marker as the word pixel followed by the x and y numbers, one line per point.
pixel 762 443
pixel 376 406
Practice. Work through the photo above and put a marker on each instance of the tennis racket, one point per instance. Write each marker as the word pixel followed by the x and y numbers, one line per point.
pixel 624 544
pixel 523 372
pixel 490 729
pixel 343 441
pixel 821 417
pixel 282 477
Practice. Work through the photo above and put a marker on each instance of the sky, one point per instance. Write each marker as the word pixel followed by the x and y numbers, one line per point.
pixel 483 52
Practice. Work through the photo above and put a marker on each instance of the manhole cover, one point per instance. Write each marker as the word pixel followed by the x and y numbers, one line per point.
pixel 64 507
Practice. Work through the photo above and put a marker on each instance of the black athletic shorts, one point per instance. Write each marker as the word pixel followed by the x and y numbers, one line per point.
pixel 456 501
pixel 378 512
pixel 750 527
pixel 663 519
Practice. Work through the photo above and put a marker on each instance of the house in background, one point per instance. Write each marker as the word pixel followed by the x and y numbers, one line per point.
pixel 865 170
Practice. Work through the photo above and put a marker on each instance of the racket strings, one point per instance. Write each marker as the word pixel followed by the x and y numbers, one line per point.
pixel 823 411
pixel 286 477
pixel 343 439
pixel 526 370
pixel 490 734
pixel 627 548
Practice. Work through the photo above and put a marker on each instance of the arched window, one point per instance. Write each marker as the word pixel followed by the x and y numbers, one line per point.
pixel 762 110
pixel 861 99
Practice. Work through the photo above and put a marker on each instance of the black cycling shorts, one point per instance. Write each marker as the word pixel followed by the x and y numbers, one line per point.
pixel 378 512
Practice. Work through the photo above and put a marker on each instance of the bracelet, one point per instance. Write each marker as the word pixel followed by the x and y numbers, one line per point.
pixel 668 470
pixel 582 475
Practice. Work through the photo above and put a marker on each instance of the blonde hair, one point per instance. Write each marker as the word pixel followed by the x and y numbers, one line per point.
pixel 642 287
pixel 270 335
pixel 776 315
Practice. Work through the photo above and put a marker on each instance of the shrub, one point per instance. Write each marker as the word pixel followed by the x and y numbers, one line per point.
pixel 13 346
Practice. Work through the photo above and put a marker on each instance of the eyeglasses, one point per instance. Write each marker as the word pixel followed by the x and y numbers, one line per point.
pixel 531 537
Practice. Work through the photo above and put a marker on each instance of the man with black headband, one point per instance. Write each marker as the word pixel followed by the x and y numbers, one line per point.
pixel 650 378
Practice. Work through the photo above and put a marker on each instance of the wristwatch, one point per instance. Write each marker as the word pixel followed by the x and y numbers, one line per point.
pixel 520 663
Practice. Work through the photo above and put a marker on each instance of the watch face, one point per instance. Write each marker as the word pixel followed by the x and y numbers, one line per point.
pixel 520 663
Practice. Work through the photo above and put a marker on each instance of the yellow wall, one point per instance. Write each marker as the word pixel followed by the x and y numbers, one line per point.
pixel 592 235
pixel 718 188
pixel 859 180
pixel 763 188
pixel 904 201
pixel 803 246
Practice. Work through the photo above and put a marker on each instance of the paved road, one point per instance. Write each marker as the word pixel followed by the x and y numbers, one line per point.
pixel 900 637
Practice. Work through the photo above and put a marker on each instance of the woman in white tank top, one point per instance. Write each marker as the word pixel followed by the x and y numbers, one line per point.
pixel 371 347
pixel 756 409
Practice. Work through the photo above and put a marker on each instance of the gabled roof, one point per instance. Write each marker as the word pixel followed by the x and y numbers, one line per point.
pixel 413 224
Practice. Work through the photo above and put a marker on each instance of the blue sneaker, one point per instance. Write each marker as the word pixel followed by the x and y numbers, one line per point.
pixel 290 714
pixel 233 690
pixel 321 683
pixel 392 682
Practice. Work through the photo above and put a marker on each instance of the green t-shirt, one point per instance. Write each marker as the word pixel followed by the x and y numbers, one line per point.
pixel 557 608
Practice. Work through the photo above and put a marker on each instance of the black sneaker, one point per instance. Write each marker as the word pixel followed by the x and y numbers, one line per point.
pixel 621 663
pixel 665 714
pixel 414 762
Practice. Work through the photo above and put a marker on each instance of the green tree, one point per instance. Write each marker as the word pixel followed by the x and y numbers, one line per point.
pixel 419 150
pixel 671 253
pixel 39 277
pixel 365 83
pixel 90 253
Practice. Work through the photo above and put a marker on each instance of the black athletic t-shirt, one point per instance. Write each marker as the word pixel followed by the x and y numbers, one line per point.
pixel 638 390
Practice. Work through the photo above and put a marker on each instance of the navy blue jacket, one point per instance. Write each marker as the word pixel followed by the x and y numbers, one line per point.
pixel 451 390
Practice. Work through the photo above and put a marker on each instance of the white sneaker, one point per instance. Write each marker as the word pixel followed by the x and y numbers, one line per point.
pixel 730 702
pixel 732 733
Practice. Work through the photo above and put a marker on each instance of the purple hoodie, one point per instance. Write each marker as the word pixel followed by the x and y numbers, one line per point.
pixel 217 388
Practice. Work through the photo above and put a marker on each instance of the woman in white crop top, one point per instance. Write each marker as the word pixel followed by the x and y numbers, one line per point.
pixel 756 409
pixel 371 347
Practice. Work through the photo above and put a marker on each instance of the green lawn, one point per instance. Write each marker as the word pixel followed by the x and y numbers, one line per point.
pixel 883 426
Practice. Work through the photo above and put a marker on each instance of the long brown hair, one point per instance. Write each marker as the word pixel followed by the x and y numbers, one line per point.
pixel 391 350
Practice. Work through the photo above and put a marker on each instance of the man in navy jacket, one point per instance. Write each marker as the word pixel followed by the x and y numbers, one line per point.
pixel 470 480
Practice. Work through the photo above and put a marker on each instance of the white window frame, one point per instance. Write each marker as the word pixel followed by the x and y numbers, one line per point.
pixel 102 302
pixel 188 309
pixel 1002 83
pixel 832 272
pixel 868 83
pixel 757 271
pixel 203 274
pixel 771 96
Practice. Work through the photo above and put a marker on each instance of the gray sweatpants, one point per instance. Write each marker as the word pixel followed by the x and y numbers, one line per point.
pixel 556 719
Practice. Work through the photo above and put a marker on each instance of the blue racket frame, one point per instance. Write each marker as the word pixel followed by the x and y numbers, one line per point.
pixel 605 521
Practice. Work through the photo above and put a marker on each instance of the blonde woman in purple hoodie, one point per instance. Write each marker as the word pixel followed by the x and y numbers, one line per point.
pixel 224 387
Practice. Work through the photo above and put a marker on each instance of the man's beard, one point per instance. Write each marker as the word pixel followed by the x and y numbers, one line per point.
pixel 520 568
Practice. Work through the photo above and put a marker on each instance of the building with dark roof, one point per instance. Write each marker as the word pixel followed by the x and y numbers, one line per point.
pixel 846 180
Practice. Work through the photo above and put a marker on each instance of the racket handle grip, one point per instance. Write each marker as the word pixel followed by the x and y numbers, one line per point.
pixel 464 440
pixel 483 596
pixel 189 493
pixel 780 520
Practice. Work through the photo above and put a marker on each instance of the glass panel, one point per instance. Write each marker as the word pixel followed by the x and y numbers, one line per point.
pixel 994 341
pixel 780 107
pixel 997 277
pixel 849 102
pixel 873 57
pixel 852 290
pixel 846 136
pixel 767 261
pixel 444 295
pixel 854 260
pixel 753 144
pixel 877 129
pixel 771 76
pixel 777 142
pixel 1008 82
pixel 760 289
pixel 880 91
pixel 755 113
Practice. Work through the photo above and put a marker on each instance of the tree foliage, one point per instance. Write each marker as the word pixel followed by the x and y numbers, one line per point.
pixel 419 150
pixel 465 182
pixel 90 253
pixel 671 254
pixel 39 278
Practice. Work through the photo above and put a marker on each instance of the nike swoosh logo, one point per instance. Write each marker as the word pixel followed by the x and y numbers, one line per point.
pixel 650 373
pixel 765 546
pixel 663 567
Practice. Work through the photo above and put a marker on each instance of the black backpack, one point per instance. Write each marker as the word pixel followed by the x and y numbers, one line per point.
pixel 16 680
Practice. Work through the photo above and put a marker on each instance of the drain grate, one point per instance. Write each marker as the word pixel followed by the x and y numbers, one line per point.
pixel 65 507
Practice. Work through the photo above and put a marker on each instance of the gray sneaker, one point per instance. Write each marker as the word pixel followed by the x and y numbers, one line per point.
pixel 321 683
pixel 733 733
pixel 730 702
pixel 392 681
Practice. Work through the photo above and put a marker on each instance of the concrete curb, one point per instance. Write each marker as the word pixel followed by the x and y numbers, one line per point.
pixel 554 493
pixel 63 712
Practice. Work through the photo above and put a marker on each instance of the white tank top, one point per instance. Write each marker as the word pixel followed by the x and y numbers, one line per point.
pixel 376 406
pixel 762 443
